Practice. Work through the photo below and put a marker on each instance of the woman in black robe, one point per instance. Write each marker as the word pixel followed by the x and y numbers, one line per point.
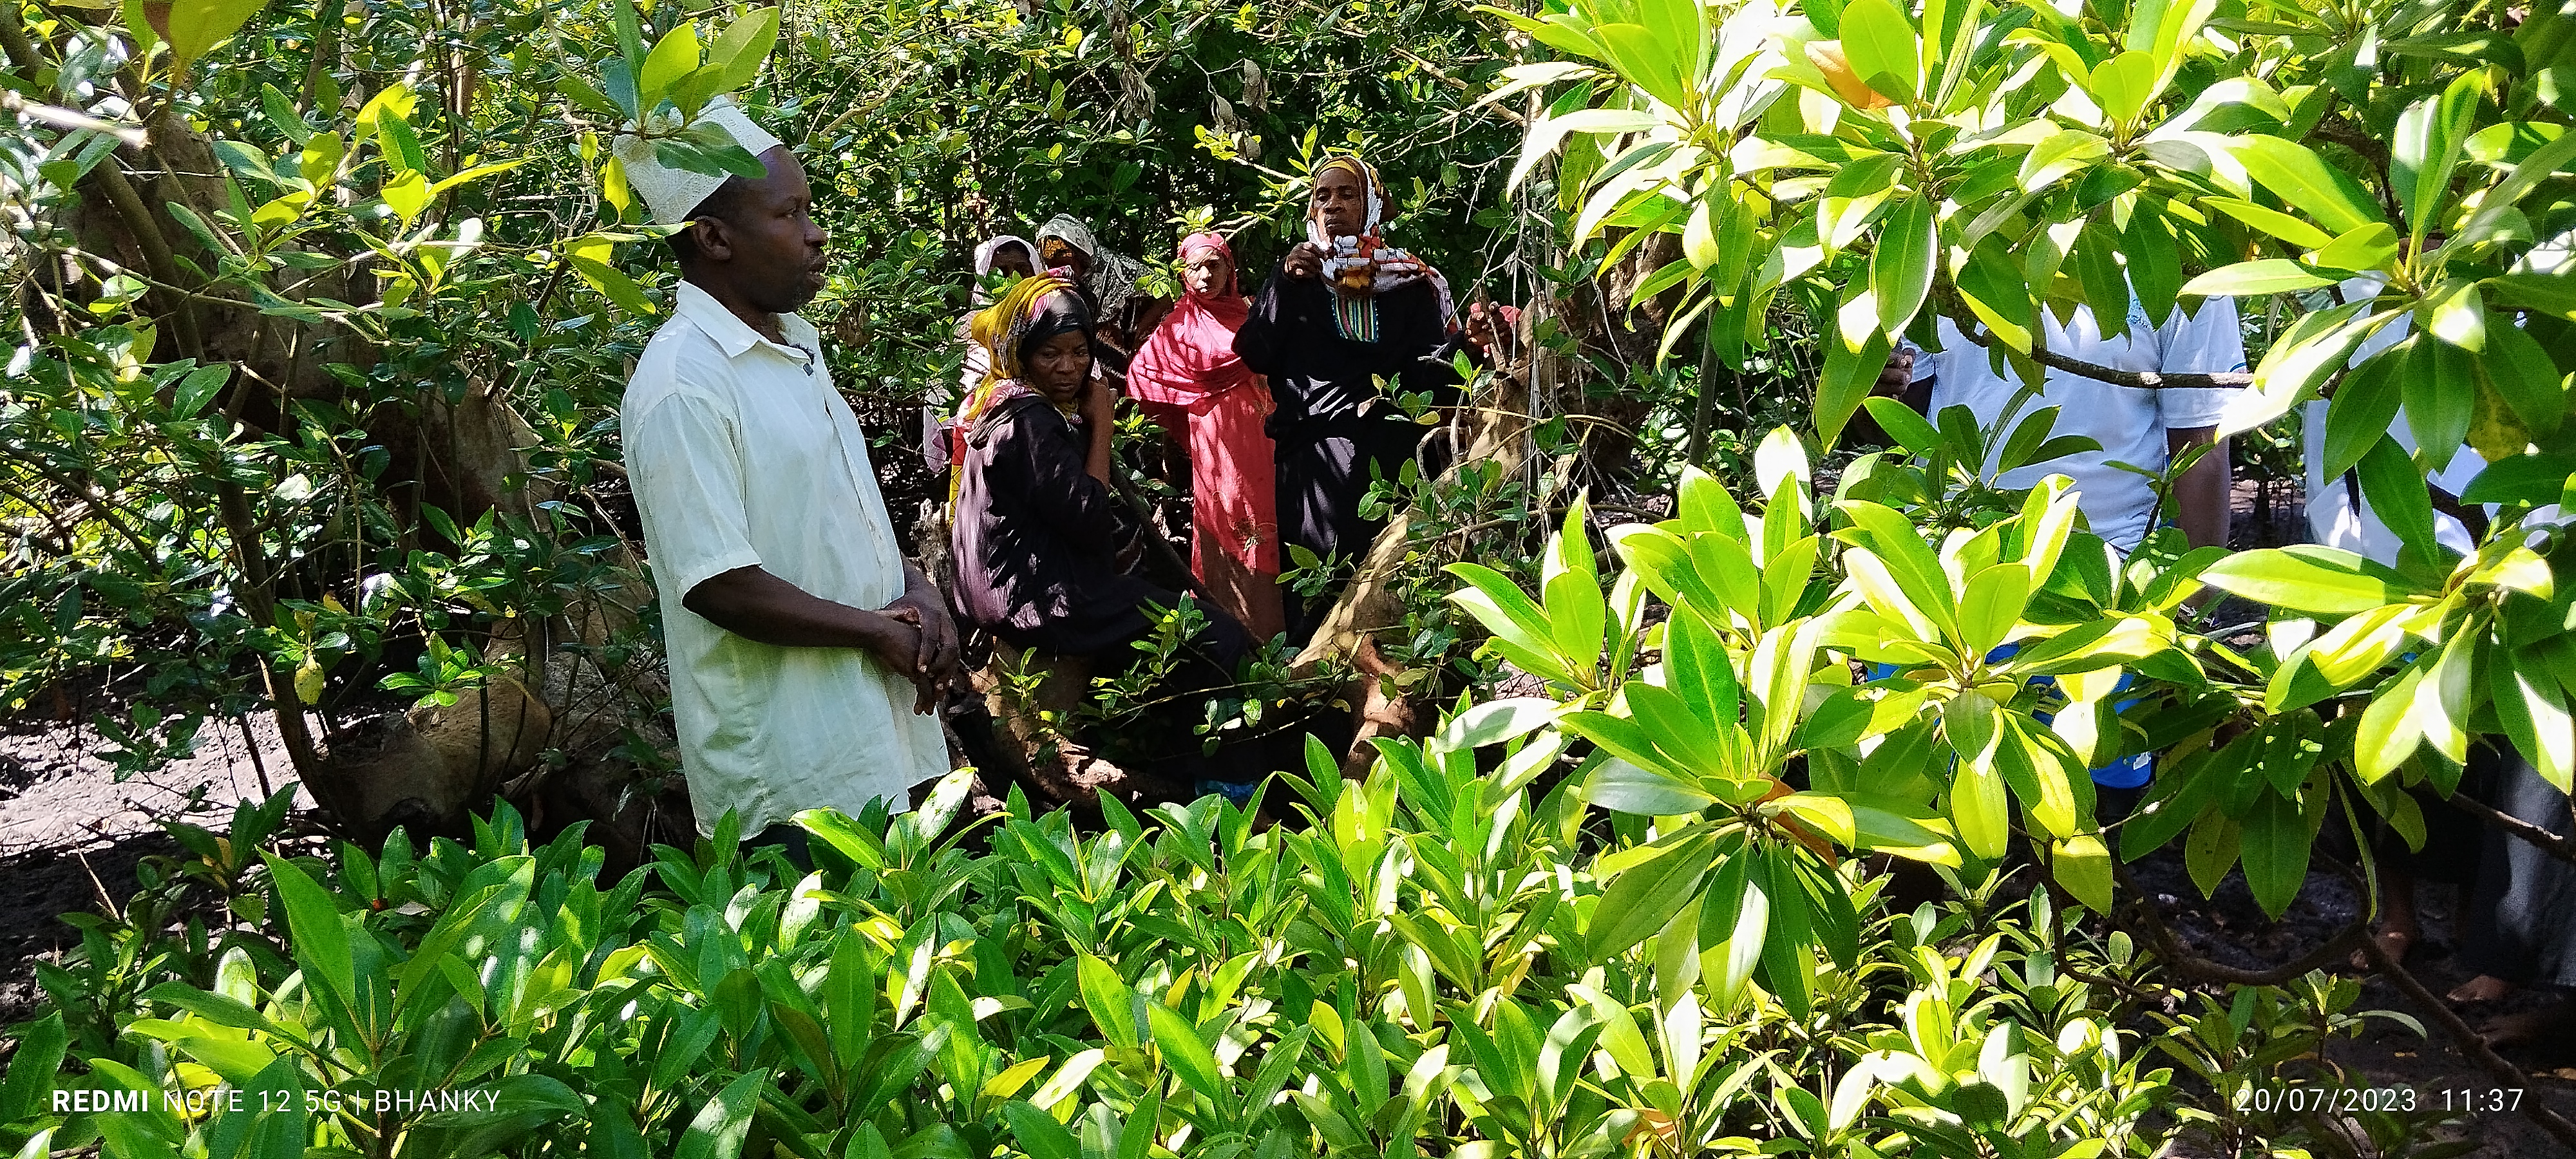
pixel 1035 538
pixel 1344 310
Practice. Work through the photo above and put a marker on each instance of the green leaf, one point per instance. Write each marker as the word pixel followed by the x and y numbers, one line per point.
pixel 2456 315
pixel 674 58
pixel 742 47
pixel 2276 853
pixel 1991 606
pixel 2397 494
pixel 1849 375
pixel 2155 263
pixel 1978 808
pixel 2124 84
pixel 2440 382
pixel 2522 479
pixel 1698 669
pixel 1496 721
pixel 1646 896
pixel 281 113
pixel 1881 46
pixel 584 94
pixel 407 193
pixel 2266 276
pixel 1900 272
pixel 2533 706
pixel 2363 410
pixel 2210 851
pixel 32 1069
pixel 2067 152
pixel 2547 293
pixel 2083 865
pixel 313 921
pixel 2430 135
pixel 1111 1003
pixel 2306 183
pixel 719 1128
pixel 2272 221
pixel 1622 787
pixel 1902 423
pixel 2307 578
pixel 198 388
pixel 1185 1053
pixel 630 32
pixel 614 283
pixel 1576 609
pixel 1036 1132
pixel 2372 247
pixel 2505 197
pixel 197 26
pixel 2524 376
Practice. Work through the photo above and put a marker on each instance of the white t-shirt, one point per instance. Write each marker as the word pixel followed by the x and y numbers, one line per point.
pixel 741 453
pixel 2338 515
pixel 2129 422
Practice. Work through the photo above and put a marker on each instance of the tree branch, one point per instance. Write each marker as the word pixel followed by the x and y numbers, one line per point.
pixel 2562 848
pixel 2138 379
pixel 2471 1044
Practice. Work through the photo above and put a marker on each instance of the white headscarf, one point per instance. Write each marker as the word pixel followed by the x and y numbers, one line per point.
pixel 989 251
pixel 1347 260
pixel 1111 278
pixel 672 194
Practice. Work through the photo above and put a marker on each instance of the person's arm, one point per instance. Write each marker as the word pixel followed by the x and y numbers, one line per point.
pixel 2207 339
pixel 2204 497
pixel 1259 341
pixel 685 458
pixel 755 605
pixel 1100 424
pixel 926 609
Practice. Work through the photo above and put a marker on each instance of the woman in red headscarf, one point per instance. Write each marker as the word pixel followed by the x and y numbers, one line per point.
pixel 1190 379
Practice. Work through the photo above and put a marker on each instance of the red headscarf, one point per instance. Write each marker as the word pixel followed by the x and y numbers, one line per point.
pixel 1190 358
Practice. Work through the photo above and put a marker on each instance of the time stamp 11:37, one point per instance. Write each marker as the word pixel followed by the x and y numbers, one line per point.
pixel 2346 1100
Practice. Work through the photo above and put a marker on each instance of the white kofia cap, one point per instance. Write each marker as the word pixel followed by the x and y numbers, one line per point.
pixel 671 193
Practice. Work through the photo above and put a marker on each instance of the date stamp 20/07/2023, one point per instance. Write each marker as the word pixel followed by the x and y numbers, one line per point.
pixel 2298 1099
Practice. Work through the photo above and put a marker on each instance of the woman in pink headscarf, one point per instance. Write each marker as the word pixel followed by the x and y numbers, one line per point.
pixel 1189 378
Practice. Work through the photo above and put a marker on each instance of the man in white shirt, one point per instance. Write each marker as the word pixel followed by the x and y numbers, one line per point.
pixel 2137 426
pixel 806 655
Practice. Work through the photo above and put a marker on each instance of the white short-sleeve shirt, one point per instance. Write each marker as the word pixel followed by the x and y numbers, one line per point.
pixel 743 454
pixel 2129 422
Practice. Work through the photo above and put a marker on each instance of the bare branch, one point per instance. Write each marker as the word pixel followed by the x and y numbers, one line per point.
pixel 2139 379
pixel 2562 848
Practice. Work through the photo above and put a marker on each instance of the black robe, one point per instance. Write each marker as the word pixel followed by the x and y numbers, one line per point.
pixel 1036 539
pixel 1333 424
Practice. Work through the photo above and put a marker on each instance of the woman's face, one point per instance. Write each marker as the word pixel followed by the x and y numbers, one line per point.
pixel 1060 365
pixel 1341 202
pixel 1015 261
pixel 1206 270
pixel 1060 253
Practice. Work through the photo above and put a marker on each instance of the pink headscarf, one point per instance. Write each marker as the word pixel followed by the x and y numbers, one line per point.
pixel 1190 358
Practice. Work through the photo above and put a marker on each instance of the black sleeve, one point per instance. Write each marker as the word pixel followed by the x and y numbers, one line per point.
pixel 1037 460
pixel 1260 341
pixel 1424 346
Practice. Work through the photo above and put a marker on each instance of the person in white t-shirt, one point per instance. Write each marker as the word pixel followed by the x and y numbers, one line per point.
pixel 2141 427
pixel 2137 426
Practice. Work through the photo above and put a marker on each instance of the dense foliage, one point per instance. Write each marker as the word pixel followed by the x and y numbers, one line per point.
pixel 314 400
pixel 1433 967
